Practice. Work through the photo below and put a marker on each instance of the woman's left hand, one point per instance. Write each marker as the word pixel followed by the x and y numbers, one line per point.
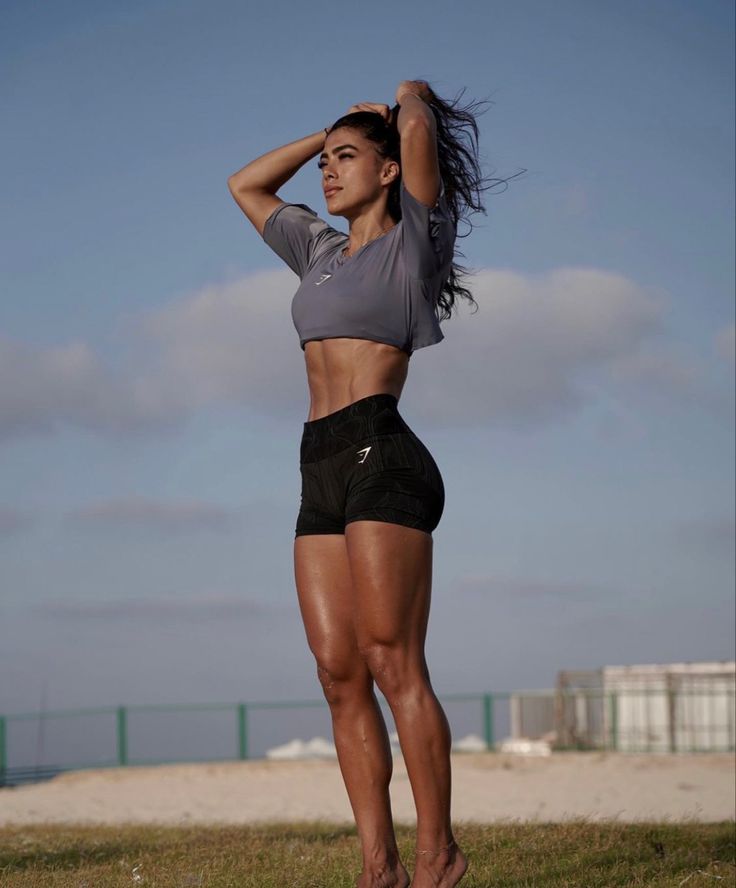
pixel 418 88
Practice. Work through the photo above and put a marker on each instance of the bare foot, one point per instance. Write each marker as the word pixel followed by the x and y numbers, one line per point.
pixel 441 870
pixel 384 877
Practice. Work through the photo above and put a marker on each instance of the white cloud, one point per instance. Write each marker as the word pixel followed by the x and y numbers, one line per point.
pixel 13 520
pixel 69 384
pixel 490 587
pixel 235 343
pixel 143 512
pixel 715 534
pixel 665 373
pixel 539 347
pixel 205 606
pixel 725 342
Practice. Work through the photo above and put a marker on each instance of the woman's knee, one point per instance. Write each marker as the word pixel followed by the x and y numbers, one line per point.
pixel 342 676
pixel 395 668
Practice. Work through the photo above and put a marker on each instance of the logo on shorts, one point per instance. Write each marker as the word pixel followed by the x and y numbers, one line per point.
pixel 322 279
pixel 365 452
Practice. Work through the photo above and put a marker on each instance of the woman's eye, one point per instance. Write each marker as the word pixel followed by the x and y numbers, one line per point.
pixel 321 163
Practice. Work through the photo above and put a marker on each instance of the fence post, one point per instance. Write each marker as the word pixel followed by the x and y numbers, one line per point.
pixel 672 712
pixel 488 719
pixel 122 719
pixel 243 730
pixel 3 751
pixel 613 712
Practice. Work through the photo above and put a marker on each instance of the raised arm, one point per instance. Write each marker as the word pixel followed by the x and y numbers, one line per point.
pixel 254 187
pixel 420 169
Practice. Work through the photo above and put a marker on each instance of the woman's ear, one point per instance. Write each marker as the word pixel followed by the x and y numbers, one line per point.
pixel 391 171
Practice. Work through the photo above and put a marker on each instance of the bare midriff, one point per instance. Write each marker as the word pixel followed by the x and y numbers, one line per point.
pixel 340 371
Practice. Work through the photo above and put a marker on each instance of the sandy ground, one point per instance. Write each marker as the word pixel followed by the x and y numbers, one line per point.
pixel 487 787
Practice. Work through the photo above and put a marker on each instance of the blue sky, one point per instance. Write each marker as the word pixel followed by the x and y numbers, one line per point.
pixel 153 389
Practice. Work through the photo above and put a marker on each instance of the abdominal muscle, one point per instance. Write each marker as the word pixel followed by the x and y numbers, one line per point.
pixel 341 371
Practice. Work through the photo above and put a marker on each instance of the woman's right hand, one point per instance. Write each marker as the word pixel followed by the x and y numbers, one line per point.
pixel 377 107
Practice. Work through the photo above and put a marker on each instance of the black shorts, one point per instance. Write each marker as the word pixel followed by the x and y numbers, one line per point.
pixel 364 462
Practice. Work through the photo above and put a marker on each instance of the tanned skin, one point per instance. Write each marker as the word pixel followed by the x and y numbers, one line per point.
pixel 364 596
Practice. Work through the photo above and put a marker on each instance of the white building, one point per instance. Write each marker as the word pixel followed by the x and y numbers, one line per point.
pixel 652 707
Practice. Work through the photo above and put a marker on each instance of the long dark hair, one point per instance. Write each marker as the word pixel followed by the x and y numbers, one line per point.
pixel 457 149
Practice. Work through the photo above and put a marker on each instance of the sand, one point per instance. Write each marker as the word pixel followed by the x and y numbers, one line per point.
pixel 487 787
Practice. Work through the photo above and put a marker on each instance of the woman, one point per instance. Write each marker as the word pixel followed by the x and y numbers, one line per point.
pixel 371 492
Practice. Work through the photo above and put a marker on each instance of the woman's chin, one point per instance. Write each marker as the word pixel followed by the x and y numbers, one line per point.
pixel 335 207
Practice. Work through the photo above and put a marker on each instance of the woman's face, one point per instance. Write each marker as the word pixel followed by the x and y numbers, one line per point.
pixel 353 173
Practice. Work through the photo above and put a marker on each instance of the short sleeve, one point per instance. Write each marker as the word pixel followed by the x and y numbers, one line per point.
pixel 428 234
pixel 297 235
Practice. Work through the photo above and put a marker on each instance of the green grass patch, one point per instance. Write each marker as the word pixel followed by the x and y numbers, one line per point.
pixel 575 854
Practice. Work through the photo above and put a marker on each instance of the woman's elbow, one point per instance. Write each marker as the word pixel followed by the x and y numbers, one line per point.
pixel 234 182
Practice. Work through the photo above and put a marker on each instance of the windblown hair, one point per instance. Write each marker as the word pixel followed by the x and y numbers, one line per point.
pixel 457 149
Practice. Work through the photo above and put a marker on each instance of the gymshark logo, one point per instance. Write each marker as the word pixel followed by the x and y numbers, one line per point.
pixel 323 278
pixel 365 451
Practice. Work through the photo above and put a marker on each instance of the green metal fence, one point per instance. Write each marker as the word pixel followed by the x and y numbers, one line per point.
pixel 580 719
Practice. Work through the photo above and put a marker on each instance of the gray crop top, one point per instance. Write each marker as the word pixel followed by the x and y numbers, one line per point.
pixel 386 291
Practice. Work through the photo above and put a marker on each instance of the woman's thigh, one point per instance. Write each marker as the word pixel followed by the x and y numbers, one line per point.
pixel 391 571
pixel 325 592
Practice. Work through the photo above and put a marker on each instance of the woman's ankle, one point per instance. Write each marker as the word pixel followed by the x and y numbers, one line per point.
pixel 432 847
pixel 381 855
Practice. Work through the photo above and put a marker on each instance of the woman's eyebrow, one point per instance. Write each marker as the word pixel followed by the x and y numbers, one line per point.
pixel 335 150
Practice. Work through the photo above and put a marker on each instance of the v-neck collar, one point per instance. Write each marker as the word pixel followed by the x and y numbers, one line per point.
pixel 342 259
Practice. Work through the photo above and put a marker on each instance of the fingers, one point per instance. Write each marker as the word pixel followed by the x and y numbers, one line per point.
pixel 376 107
pixel 418 88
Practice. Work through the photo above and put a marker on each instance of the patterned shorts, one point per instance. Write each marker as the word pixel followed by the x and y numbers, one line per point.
pixel 364 462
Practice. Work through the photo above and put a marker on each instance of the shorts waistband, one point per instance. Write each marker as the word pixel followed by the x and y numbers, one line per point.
pixel 374 415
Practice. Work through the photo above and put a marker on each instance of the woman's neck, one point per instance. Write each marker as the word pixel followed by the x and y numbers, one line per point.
pixel 364 229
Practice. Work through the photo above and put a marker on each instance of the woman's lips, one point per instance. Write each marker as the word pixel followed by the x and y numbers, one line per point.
pixel 330 191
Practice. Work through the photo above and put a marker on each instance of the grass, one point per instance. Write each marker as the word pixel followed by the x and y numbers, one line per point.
pixel 574 854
